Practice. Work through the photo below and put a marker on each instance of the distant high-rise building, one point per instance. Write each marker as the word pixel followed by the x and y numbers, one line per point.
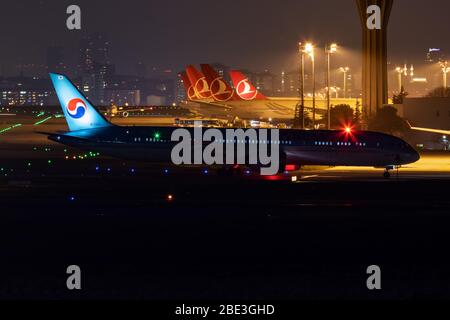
pixel 94 49
pixel 435 55
pixel 283 82
pixel 95 66
pixel 263 81
pixel 180 91
pixel 292 83
pixel 25 91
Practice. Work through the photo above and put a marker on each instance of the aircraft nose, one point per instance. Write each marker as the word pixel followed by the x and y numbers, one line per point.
pixel 415 156
pixel 411 156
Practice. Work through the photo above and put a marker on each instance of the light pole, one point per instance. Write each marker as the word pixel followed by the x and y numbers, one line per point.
pixel 302 84
pixel 345 70
pixel 445 69
pixel 329 50
pixel 309 49
pixel 400 73
pixel 336 91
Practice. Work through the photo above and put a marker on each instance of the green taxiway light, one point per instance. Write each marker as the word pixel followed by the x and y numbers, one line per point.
pixel 10 128
pixel 42 121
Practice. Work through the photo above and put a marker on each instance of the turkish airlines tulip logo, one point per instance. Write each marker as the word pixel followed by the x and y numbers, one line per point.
pixel 219 90
pixel 191 93
pixel 245 90
pixel 202 89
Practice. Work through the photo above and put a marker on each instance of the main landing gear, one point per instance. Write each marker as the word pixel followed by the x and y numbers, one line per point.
pixel 387 172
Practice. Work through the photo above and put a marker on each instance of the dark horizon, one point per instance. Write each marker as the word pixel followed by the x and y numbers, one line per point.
pixel 170 35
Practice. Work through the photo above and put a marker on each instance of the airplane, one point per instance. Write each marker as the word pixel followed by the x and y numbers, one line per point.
pixel 217 98
pixel 244 100
pixel 89 130
pixel 124 112
pixel 208 85
pixel 197 90
pixel 244 88
pixel 221 91
pixel 200 86
pixel 430 130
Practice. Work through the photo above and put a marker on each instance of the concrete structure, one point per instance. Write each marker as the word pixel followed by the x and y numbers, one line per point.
pixel 431 113
pixel 375 82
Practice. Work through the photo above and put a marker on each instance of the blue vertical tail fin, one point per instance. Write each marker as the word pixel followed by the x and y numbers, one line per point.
pixel 80 114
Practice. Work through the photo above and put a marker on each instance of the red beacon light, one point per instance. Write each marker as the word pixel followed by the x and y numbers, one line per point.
pixel 348 130
pixel 290 167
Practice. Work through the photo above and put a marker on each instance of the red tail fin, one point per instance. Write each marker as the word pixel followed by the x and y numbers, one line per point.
pixel 199 83
pixel 244 89
pixel 221 91
pixel 190 92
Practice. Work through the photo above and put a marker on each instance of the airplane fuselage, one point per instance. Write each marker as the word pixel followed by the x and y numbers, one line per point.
pixel 299 147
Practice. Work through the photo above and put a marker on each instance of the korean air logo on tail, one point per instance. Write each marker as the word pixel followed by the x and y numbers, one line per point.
pixel 76 108
pixel 245 91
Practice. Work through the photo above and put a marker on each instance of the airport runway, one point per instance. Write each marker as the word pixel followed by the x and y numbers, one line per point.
pixel 217 237
pixel 18 141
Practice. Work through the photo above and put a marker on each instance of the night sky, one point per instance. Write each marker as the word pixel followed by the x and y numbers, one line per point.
pixel 255 34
